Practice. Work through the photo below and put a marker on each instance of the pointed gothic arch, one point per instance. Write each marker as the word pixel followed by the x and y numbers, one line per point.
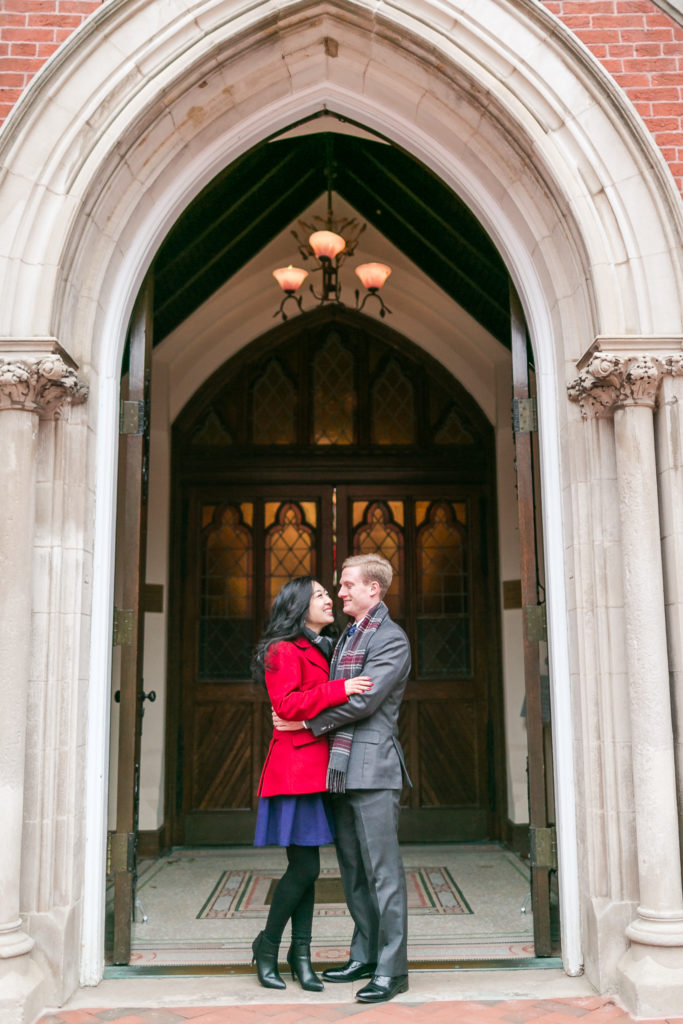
pixel 590 237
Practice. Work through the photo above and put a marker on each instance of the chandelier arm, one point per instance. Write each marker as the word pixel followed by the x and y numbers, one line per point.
pixel 372 294
pixel 280 311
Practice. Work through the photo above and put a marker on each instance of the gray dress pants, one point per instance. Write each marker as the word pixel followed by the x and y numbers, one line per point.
pixel 373 877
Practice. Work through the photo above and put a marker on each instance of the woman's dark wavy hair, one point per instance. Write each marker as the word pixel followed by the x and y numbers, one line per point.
pixel 287 620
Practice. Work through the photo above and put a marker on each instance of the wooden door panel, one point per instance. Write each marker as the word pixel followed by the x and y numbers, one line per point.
pixel 222 761
pixel 130 578
pixel 449 754
pixel 539 779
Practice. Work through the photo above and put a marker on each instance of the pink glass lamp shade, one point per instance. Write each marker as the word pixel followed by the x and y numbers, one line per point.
pixel 290 278
pixel 373 275
pixel 326 244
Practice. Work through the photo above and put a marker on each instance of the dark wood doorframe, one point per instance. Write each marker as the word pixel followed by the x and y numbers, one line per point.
pixel 539 783
pixel 129 612
pixel 238 466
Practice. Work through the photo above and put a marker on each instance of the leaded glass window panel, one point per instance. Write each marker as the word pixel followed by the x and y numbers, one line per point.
pixel 376 532
pixel 274 407
pixel 453 430
pixel 274 510
pixel 290 548
pixel 211 431
pixel 333 393
pixel 443 622
pixel 422 510
pixel 226 626
pixel 393 407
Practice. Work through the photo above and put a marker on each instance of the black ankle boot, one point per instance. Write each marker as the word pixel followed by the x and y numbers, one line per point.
pixel 299 960
pixel 265 958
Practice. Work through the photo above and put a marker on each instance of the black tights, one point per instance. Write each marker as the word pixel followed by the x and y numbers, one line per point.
pixel 294 895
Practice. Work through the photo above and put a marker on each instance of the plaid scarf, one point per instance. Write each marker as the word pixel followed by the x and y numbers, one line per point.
pixel 347 662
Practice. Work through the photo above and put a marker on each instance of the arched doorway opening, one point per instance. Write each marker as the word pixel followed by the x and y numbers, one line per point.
pixel 333 435
pixel 404 454
pixel 520 146
pixel 500 140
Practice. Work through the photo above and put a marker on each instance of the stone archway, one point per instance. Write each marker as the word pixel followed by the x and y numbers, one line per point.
pixel 499 102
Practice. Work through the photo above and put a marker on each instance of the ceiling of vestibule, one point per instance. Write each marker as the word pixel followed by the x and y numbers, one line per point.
pixel 258 196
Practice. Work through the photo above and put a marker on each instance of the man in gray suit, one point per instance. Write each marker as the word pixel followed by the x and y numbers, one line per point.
pixel 366 775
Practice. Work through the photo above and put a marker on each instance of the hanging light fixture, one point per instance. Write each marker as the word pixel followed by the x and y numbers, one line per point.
pixel 330 241
pixel 290 280
pixel 372 276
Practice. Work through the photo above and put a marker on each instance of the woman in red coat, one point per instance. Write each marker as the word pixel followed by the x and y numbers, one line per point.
pixel 293 660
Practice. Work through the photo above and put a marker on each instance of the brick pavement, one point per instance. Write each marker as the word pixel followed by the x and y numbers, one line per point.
pixel 591 1010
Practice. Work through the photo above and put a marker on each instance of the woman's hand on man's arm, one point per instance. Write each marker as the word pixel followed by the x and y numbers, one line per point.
pixel 282 725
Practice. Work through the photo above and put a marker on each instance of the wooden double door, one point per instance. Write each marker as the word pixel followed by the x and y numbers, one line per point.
pixel 241 543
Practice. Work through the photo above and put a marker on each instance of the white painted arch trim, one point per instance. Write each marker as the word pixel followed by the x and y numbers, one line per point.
pixel 102 154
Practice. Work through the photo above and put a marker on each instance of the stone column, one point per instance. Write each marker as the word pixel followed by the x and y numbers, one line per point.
pixel 36 379
pixel 669 438
pixel 625 385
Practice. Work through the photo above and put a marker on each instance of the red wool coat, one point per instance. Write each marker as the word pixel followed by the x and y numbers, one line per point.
pixel 298 687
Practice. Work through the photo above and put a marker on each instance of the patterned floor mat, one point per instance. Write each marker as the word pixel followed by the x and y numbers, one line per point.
pixel 430 891
pixel 204 907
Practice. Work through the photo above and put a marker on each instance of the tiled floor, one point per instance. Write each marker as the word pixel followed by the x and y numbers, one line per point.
pixel 204 906
pixel 589 1009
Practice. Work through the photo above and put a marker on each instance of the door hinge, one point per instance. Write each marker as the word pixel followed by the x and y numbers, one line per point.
pixel 123 627
pixel 132 418
pixel 524 415
pixel 543 847
pixel 536 623
pixel 120 852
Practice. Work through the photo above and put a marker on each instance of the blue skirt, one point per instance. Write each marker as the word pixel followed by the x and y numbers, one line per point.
pixel 302 820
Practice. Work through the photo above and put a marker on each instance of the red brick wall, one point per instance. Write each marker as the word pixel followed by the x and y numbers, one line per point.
pixel 30 31
pixel 636 42
pixel 642 48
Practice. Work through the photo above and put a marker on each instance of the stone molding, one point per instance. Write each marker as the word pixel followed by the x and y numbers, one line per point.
pixel 41 383
pixel 674 8
pixel 623 372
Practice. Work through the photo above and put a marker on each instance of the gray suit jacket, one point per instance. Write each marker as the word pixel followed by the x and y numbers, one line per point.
pixel 376 760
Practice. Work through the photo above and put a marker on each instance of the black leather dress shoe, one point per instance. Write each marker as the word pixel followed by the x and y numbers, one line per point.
pixel 380 989
pixel 352 970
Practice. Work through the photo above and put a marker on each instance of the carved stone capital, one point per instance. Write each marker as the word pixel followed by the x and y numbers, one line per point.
pixel 674 364
pixel 42 385
pixel 610 381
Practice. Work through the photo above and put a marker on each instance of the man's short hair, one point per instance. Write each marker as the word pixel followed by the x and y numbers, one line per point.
pixel 374 569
